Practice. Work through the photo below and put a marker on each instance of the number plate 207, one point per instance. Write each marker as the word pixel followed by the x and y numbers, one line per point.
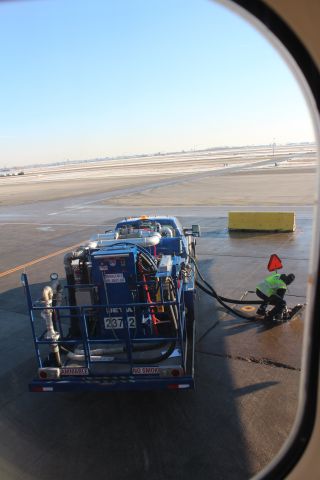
pixel 116 323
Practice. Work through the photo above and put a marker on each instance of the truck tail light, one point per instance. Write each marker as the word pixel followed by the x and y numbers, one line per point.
pixel 36 388
pixel 177 386
pixel 49 373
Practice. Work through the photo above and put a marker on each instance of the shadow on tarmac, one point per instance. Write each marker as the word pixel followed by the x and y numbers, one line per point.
pixel 131 435
pixel 260 326
pixel 244 234
pixel 238 392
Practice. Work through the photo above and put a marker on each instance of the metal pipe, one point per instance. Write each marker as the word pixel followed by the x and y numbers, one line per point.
pixel 46 314
pixel 93 358
pixel 140 241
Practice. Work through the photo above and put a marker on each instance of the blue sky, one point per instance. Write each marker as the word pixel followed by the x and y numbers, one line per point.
pixel 87 79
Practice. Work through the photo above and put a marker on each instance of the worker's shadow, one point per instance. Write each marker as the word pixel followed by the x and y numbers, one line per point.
pixel 236 325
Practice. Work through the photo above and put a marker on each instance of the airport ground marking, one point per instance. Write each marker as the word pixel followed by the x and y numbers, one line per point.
pixel 58 224
pixel 38 260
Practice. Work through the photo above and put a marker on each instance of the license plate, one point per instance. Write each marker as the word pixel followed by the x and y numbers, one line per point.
pixel 145 370
pixel 116 323
pixel 74 371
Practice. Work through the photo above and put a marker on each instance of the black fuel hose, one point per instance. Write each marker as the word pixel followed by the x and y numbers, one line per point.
pixel 222 300
pixel 143 252
pixel 158 359
pixel 144 347
pixel 229 300
pixel 235 312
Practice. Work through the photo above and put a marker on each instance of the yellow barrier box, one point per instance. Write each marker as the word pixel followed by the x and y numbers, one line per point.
pixel 264 221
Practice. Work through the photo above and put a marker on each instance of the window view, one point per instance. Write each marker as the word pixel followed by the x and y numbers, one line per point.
pixel 157 177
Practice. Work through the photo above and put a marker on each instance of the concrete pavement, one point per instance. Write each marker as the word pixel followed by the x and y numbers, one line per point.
pixel 231 426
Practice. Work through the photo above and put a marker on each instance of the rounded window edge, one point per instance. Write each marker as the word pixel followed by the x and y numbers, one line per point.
pixel 259 14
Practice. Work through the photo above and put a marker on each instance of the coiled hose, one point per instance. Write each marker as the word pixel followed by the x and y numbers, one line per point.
pixel 79 352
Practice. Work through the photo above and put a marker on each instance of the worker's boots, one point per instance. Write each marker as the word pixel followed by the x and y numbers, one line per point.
pixel 286 314
pixel 261 311
pixel 279 317
pixel 275 318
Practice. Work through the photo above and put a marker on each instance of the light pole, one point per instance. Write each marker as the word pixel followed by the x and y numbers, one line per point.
pixel 273 148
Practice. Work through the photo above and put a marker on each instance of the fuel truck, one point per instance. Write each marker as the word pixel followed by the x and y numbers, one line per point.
pixel 124 316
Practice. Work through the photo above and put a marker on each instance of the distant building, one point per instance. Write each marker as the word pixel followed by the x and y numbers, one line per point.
pixel 10 172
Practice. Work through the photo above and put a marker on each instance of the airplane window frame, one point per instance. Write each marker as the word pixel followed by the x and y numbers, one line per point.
pixel 297 442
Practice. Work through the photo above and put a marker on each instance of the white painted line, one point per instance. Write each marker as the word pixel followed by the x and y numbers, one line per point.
pixel 47 228
pixel 67 209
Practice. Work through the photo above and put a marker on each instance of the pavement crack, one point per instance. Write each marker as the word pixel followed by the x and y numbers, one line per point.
pixel 260 361
pixel 207 331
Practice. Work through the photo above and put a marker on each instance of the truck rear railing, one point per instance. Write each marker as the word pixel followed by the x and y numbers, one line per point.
pixel 64 313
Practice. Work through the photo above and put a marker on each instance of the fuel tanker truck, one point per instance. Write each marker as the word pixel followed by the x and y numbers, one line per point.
pixel 123 317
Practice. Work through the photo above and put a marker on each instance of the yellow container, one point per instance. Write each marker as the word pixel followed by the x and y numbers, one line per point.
pixel 264 221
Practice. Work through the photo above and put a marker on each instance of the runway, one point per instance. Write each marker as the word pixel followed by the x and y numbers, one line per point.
pixel 247 373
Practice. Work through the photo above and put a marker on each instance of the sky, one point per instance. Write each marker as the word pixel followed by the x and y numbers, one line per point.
pixel 84 79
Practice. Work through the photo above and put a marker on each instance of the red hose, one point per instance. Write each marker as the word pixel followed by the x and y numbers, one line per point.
pixel 155 321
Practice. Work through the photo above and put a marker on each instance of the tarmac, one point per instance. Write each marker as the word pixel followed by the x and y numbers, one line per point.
pixel 247 372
